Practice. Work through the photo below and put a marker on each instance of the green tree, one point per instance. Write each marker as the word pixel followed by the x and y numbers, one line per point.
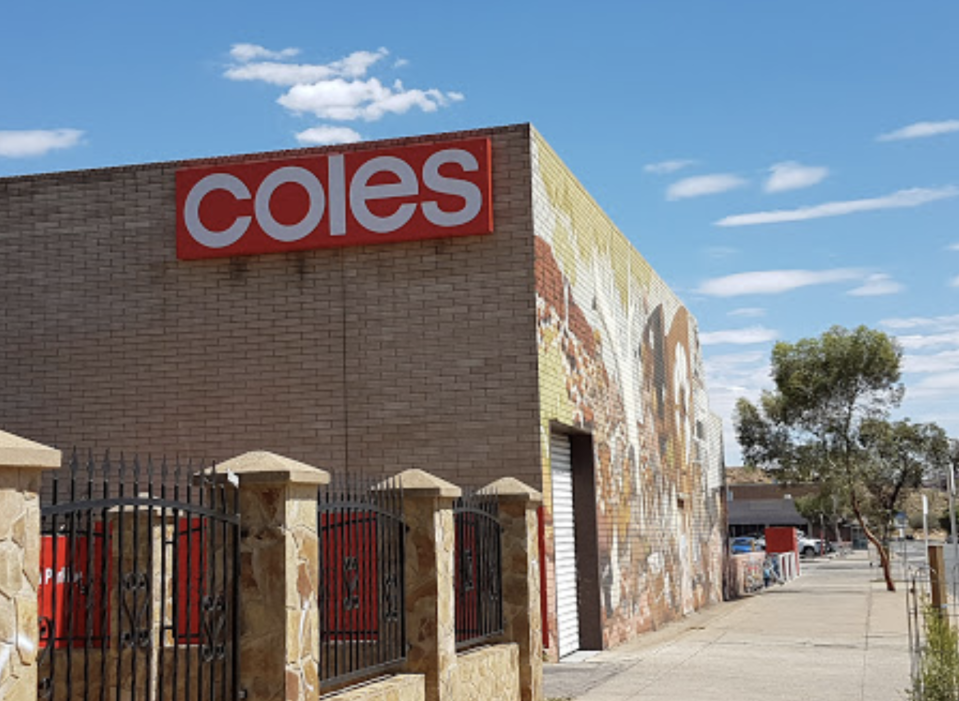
pixel 827 422
pixel 898 455
pixel 822 507
pixel 953 464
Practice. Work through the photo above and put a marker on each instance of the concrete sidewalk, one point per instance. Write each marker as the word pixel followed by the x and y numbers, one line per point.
pixel 834 633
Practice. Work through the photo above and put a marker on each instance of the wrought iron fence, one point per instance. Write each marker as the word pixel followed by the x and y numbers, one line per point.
pixel 138 583
pixel 479 572
pixel 933 622
pixel 362 585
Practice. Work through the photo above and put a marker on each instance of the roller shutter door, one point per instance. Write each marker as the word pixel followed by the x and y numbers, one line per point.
pixel 564 542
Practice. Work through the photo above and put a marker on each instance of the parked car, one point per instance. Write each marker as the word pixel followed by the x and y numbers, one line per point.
pixel 744 544
pixel 812 546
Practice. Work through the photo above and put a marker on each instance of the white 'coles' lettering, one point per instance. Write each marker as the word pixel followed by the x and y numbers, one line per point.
pixel 448 184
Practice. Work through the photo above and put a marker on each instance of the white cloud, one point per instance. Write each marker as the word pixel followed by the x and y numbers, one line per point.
pixel 666 167
pixel 940 323
pixel 944 361
pixel 790 175
pixel 338 91
pixel 326 134
pixel 37 142
pixel 358 63
pixel 748 312
pixel 932 391
pixel 921 130
pixel 954 282
pixel 876 285
pixel 953 247
pixel 354 66
pixel 728 362
pixel 720 252
pixel 903 198
pixel 733 375
pixel 369 100
pixel 279 73
pixel 774 281
pixel 931 363
pixel 401 63
pixel 933 340
pixel 730 376
pixel 748 336
pixel 249 52
pixel 700 185
pixel 939 383
pixel 931 349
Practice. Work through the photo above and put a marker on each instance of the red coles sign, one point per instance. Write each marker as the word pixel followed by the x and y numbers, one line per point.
pixel 400 194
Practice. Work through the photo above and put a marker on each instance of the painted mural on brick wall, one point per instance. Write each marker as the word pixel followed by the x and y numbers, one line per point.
pixel 620 358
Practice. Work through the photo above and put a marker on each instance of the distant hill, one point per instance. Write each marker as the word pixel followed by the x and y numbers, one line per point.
pixel 747 475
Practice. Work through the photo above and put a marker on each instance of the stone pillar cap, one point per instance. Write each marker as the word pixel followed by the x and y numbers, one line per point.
pixel 416 482
pixel 23 454
pixel 264 467
pixel 511 489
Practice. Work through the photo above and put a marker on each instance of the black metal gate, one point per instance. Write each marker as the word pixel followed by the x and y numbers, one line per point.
pixel 138 583
pixel 362 592
pixel 478 579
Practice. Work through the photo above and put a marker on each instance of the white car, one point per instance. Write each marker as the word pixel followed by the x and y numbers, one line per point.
pixel 810 546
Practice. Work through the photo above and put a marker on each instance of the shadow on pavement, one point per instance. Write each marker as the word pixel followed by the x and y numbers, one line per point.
pixel 572 679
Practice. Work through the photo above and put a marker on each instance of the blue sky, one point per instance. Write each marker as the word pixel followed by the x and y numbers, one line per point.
pixel 785 167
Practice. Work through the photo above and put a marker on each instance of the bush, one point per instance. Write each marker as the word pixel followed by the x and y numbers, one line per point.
pixel 944 523
pixel 938 678
pixel 915 521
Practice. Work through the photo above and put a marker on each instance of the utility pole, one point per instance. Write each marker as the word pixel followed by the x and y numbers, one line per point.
pixel 952 514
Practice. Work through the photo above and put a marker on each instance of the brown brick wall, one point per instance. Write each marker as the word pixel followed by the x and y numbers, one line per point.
pixel 383 357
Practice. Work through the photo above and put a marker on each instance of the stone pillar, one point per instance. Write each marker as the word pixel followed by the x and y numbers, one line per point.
pixel 522 615
pixel 430 605
pixel 279 573
pixel 21 464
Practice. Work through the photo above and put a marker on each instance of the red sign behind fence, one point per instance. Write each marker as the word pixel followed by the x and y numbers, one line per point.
pixel 71 577
pixel 75 577
pixel 350 576
pixel 408 193
pixel 192 544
